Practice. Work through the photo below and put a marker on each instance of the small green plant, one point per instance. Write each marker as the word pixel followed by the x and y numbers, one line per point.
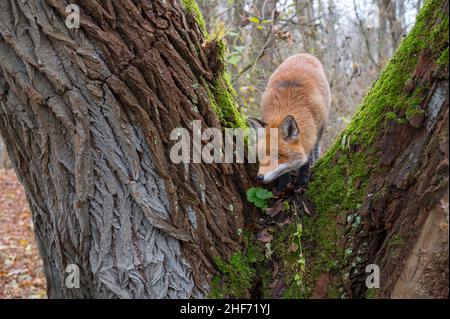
pixel 269 251
pixel 259 196
pixel 299 277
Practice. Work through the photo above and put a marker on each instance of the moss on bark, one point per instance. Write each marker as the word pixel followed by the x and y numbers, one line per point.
pixel 222 94
pixel 193 9
pixel 340 178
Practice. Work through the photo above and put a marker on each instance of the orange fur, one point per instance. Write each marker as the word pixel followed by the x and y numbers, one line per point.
pixel 299 88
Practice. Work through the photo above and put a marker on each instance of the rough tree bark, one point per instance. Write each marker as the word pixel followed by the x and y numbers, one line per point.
pixel 86 115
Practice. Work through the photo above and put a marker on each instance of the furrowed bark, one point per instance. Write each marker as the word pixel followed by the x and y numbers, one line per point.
pixel 86 115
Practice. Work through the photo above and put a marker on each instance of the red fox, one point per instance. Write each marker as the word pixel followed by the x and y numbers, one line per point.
pixel 296 102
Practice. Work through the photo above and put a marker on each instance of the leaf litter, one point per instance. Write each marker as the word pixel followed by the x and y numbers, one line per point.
pixel 21 274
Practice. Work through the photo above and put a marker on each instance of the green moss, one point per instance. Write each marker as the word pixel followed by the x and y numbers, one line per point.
pixel 413 111
pixel 236 276
pixel 392 116
pixel 443 59
pixel 347 178
pixel 220 91
pixel 281 243
pixel 225 96
pixel 334 292
pixel 371 293
pixel 223 99
pixel 348 165
pixel 439 35
pixel 193 9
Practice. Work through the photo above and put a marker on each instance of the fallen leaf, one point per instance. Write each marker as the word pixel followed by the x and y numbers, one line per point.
pixel 23 242
pixel 264 236
pixel 276 208
pixel 293 248
pixel 21 274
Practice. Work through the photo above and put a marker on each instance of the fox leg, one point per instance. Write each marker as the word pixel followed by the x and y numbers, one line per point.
pixel 303 174
pixel 283 182
pixel 316 151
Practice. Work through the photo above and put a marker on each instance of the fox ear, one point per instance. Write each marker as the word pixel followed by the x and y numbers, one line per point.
pixel 255 123
pixel 289 129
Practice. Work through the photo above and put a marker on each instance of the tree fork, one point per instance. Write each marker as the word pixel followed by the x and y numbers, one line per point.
pixel 86 115
pixel 375 194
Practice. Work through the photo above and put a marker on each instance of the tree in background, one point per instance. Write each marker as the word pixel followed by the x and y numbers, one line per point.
pixel 354 40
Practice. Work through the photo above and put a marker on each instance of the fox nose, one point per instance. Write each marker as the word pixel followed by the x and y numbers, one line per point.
pixel 260 177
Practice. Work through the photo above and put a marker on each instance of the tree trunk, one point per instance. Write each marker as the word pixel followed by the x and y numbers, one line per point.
pixel 378 197
pixel 381 191
pixel 263 41
pixel 307 25
pixel 86 115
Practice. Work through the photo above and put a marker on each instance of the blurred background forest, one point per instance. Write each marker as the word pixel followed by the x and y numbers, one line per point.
pixel 353 39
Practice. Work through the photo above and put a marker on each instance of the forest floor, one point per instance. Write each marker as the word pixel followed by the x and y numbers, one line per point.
pixel 21 274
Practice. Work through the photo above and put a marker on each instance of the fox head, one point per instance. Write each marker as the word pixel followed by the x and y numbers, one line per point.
pixel 290 155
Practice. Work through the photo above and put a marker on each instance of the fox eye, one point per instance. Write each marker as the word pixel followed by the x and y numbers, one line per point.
pixel 279 156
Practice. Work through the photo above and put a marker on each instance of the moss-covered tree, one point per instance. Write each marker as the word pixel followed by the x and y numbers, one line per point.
pixel 387 174
pixel 87 114
pixel 379 194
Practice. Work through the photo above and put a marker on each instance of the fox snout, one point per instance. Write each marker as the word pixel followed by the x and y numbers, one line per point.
pixel 283 168
pixel 288 154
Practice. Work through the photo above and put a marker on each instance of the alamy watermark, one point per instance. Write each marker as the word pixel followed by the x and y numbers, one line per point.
pixel 73 276
pixel 73 17
pixel 213 145
pixel 373 279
